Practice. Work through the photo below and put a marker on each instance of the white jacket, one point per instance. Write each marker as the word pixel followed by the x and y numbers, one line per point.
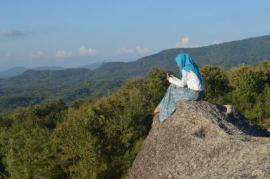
pixel 189 79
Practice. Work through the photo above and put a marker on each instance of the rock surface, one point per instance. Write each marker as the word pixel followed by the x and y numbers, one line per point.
pixel 200 141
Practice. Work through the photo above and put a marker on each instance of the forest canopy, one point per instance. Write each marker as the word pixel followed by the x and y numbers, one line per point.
pixel 100 138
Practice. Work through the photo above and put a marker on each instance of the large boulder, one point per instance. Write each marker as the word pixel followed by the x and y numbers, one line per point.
pixel 201 141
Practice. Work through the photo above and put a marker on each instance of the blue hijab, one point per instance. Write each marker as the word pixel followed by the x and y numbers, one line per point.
pixel 186 63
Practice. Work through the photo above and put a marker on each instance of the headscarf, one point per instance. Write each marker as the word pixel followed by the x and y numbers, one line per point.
pixel 186 63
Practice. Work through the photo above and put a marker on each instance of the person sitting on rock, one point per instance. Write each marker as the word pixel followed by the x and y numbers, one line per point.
pixel 190 86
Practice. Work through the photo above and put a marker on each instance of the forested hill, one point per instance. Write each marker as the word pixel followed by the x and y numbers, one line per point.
pixel 229 54
pixel 100 139
pixel 34 86
pixel 48 78
pixel 226 55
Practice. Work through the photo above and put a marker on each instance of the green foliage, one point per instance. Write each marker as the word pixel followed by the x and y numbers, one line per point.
pixel 85 140
pixel 263 67
pixel 100 139
pixel 248 86
pixel 247 81
pixel 216 83
pixel 11 99
pixel 35 87
pixel 245 87
pixel 74 146
pixel 157 85
pixel 28 153
pixel 266 106
pixel 120 122
pixel 25 143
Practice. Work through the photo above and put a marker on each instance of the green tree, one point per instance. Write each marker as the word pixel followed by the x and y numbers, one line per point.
pixel 248 86
pixel 216 84
pixel 28 154
pixel 157 85
pixel 74 146
pixel 121 121
pixel 266 104
pixel 26 142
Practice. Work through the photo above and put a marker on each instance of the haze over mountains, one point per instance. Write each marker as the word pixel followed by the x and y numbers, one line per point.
pixel 12 72
pixel 36 86
pixel 15 71
pixel 227 55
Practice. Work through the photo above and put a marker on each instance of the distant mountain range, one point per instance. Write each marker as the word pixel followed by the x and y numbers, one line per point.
pixel 15 71
pixel 12 72
pixel 94 66
pixel 227 55
pixel 103 78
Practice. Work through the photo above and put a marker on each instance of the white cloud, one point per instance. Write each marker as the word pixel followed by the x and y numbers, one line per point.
pixel 63 54
pixel 141 50
pixel 183 42
pixel 87 51
pixel 138 50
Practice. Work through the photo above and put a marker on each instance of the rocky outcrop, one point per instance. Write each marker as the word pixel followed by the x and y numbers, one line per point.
pixel 201 141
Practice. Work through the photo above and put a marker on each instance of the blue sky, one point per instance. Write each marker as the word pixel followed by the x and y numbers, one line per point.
pixel 78 32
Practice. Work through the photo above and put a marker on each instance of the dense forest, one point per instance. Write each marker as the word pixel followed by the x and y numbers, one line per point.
pixel 35 86
pixel 100 138
pixel 12 98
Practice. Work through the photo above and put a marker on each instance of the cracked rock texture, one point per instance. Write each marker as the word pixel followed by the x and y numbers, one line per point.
pixel 201 141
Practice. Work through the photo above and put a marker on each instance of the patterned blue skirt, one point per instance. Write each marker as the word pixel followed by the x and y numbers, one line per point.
pixel 173 95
